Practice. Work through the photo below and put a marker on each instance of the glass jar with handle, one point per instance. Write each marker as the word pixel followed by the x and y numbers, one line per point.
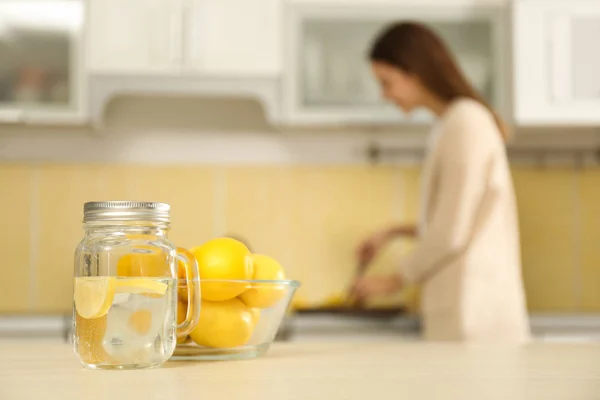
pixel 125 308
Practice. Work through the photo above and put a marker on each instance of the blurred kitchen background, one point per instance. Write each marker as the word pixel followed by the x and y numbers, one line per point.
pixel 260 119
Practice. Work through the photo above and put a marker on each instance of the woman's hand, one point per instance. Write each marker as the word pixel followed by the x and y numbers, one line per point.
pixel 369 286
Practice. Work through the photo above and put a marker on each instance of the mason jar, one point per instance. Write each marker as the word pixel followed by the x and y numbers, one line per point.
pixel 125 309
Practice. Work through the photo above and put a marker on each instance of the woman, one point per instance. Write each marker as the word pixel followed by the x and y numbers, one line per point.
pixel 468 256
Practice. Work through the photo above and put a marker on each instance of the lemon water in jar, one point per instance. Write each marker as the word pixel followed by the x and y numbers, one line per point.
pixel 125 309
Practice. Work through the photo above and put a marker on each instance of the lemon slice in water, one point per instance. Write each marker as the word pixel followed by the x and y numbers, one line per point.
pixel 141 286
pixel 94 295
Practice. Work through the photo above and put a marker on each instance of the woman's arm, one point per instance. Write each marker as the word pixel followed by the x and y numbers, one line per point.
pixel 368 249
pixel 364 286
pixel 464 162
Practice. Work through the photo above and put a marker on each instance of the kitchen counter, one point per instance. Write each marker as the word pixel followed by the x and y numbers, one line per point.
pixel 400 370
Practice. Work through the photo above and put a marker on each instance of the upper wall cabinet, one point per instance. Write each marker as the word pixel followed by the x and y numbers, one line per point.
pixel 135 36
pixel 41 59
pixel 557 62
pixel 327 78
pixel 234 37
pixel 217 37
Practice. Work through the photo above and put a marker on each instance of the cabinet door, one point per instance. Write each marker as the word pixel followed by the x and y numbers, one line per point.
pixel 557 79
pixel 234 37
pixel 327 75
pixel 135 36
pixel 41 78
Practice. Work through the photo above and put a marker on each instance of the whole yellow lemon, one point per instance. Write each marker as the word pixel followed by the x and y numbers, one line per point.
pixel 264 295
pixel 223 258
pixel 223 324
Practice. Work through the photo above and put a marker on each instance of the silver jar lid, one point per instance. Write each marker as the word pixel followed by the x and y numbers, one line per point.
pixel 126 211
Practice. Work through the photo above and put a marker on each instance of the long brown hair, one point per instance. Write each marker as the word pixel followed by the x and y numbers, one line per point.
pixel 416 49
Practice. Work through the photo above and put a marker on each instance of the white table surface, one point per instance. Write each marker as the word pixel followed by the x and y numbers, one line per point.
pixel 311 371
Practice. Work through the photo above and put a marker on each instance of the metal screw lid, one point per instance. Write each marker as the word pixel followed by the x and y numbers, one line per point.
pixel 126 211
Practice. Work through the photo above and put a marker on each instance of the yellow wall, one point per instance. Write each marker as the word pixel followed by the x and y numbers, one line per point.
pixel 589 187
pixel 15 262
pixel 309 217
pixel 559 211
pixel 545 201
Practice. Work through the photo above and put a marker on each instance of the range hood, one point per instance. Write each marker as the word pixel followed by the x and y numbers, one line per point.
pixel 106 88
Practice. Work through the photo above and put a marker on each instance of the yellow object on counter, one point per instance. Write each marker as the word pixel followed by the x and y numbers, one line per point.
pixel 335 300
pixel 93 296
pixel 223 258
pixel 224 324
pixel 264 295
pixel 301 303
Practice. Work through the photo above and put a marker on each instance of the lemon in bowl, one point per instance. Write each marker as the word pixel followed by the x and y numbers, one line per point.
pixel 264 295
pixel 221 263
pixel 223 324
pixel 232 329
pixel 245 297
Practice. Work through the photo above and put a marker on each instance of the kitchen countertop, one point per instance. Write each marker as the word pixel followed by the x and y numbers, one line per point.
pixel 402 370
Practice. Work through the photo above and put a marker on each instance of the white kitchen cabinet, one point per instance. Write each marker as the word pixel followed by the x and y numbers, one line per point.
pixel 327 77
pixel 135 36
pixel 217 37
pixel 557 62
pixel 41 62
pixel 220 48
pixel 234 37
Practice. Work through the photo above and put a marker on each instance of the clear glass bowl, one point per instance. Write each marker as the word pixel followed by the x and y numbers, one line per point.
pixel 236 328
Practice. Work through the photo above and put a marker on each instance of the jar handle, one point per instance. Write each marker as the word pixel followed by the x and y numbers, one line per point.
pixel 193 292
